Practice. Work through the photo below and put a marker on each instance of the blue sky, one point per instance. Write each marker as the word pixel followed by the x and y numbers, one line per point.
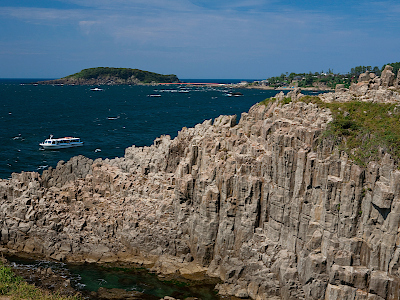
pixel 252 39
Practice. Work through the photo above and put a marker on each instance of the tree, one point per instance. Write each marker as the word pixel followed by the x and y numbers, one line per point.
pixel 376 71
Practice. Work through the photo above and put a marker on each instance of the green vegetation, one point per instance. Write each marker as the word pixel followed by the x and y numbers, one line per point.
pixel 362 69
pixel 267 101
pixel 356 71
pixel 328 79
pixel 16 288
pixel 361 129
pixel 124 73
pixel 310 80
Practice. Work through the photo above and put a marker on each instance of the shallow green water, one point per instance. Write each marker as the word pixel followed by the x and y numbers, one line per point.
pixel 90 277
pixel 93 277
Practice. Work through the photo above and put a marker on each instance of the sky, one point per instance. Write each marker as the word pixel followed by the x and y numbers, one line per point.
pixel 213 39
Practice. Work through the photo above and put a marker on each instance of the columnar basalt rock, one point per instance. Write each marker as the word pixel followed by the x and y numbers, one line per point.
pixel 262 204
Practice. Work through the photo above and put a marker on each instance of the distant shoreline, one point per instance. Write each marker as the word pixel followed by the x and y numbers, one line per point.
pixel 290 88
pixel 247 86
pixel 35 81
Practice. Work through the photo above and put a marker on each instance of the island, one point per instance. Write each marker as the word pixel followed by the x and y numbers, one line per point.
pixel 113 76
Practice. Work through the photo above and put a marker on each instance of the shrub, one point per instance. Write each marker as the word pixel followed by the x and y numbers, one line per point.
pixel 15 287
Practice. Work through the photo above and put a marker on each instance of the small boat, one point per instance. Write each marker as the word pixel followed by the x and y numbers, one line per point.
pixel 155 95
pixel 61 143
pixel 234 94
pixel 96 89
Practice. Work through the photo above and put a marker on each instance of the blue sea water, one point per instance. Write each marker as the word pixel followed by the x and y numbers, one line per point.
pixel 107 121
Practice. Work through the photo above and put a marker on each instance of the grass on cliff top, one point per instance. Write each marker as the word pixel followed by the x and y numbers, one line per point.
pixel 362 129
pixel 14 287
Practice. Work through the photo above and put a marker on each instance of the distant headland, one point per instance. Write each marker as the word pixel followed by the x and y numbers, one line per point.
pixel 112 76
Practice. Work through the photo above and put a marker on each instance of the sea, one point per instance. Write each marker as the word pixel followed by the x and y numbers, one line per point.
pixel 107 121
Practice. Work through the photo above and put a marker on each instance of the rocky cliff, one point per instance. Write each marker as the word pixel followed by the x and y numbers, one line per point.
pixel 267 205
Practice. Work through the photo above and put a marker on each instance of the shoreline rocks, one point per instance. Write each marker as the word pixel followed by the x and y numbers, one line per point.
pixel 261 204
pixel 44 278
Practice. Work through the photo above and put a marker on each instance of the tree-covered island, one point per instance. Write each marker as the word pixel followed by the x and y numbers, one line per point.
pixel 113 76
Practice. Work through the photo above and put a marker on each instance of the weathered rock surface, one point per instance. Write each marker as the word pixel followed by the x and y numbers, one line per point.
pixel 388 76
pixel 259 204
pixel 397 82
pixel 370 88
pixel 116 294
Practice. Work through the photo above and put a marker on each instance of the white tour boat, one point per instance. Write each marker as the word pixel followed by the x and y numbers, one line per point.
pixel 60 143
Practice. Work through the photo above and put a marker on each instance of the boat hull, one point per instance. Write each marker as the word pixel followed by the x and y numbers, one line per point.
pixel 51 147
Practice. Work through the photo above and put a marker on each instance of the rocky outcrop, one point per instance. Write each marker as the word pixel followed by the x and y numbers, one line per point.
pixel 47 279
pixel 261 204
pixel 295 94
pixel 369 88
pixel 388 76
pixel 397 82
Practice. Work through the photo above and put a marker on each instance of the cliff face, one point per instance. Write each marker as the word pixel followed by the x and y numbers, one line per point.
pixel 262 204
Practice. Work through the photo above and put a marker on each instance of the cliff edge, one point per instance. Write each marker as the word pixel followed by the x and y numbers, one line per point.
pixel 269 205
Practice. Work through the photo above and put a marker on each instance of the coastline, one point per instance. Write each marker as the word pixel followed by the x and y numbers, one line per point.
pixel 289 88
pixel 247 86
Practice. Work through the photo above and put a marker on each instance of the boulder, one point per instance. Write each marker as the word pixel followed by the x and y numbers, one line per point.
pixel 365 77
pixel 340 88
pixel 388 76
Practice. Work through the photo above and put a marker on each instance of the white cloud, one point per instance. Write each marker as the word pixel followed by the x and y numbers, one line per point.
pixel 87 26
pixel 233 4
pixel 31 14
pixel 181 25
pixel 124 5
